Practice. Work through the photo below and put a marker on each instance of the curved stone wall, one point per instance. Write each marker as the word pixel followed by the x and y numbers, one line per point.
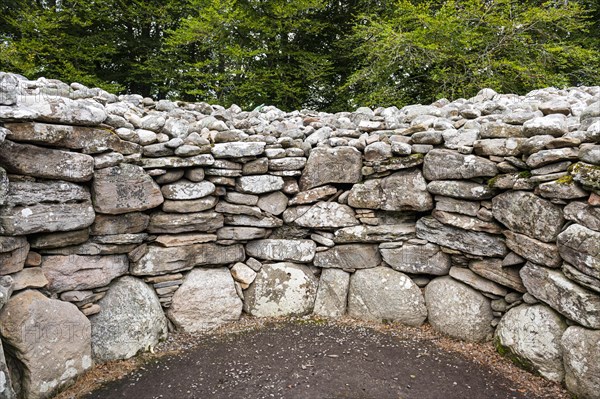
pixel 122 218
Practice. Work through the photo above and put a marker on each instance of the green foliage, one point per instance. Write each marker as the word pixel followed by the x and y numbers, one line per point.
pixel 425 50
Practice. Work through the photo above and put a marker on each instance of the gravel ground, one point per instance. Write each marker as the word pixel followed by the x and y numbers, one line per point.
pixel 310 358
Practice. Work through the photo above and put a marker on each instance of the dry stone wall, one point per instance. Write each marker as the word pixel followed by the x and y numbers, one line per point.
pixel 122 217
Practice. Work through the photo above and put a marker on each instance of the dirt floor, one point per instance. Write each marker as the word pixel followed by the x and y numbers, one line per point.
pixel 308 358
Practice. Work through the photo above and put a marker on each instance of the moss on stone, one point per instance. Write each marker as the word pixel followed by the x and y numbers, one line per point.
pixel 514 358
pixel 524 174
pixel 568 179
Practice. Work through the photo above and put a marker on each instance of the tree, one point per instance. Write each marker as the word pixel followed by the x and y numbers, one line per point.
pixel 425 50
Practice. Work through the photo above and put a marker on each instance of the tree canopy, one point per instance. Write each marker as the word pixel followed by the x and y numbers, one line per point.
pixel 326 55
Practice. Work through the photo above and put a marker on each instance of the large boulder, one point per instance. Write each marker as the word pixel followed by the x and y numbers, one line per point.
pixel 384 294
pixel 526 213
pixel 531 337
pixel 124 188
pixel 458 310
pixel 332 294
pixel 281 289
pixel 47 340
pixel 450 165
pixel 563 295
pixel 131 320
pixel 76 272
pixel 331 165
pixel 206 300
pixel 581 351
pixel 580 246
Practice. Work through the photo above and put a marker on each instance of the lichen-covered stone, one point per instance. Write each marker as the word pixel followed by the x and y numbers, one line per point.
pixel 580 246
pixel 331 165
pixel 449 165
pixel 581 349
pixel 350 256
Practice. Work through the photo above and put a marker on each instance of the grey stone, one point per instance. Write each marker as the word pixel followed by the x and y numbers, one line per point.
pixel 266 221
pixel 499 147
pixel 237 149
pixel 541 253
pixel 417 259
pixel 45 218
pixel 128 223
pixel 31 193
pixel 281 289
pixel 331 165
pixel 466 190
pixel 526 213
pixel 14 260
pixel 375 234
pixel 448 165
pixel 56 348
pixel 580 246
pixel 259 184
pixel 590 154
pixel 131 321
pixel 274 203
pixel 66 111
pixel 176 162
pixel 479 283
pixel 158 260
pixel 75 272
pixel 370 297
pixel 447 204
pixel 332 293
pixel 493 270
pixel 190 206
pixel 554 125
pixel 241 233
pixel 30 277
pixel 124 188
pixel 206 300
pixel 458 310
pixel 85 139
pixel 58 165
pixel 466 222
pixel 350 256
pixel 171 223
pixel 301 251
pixel 532 334
pixel 59 239
pixel 569 299
pixel 327 215
pixel 178 240
pixel 186 190
pixel 580 356
pixel 584 214
pixel 546 157
pixel 471 242
pixel 587 175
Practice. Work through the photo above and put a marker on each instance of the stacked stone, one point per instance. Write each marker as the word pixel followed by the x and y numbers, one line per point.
pixel 481 216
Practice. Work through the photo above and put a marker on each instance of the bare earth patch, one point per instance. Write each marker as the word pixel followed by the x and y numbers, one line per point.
pixel 313 358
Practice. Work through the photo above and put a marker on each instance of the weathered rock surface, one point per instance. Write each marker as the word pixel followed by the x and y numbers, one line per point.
pixel 331 165
pixel 580 246
pixel 531 337
pixel 186 190
pixel 281 289
pixel 450 165
pixel 124 188
pixel 129 223
pixel 526 213
pixel 301 251
pixel 237 150
pixel 350 256
pixel 59 165
pixel 76 272
pixel 206 300
pixel 402 191
pixel 458 310
pixel 49 339
pixel 327 215
pixel 332 293
pixel 169 223
pixel 159 260
pixel 466 190
pixel 417 259
pixel 474 280
pixel 43 218
pixel 580 355
pixel 259 184
pixel 569 299
pixel 584 214
pixel 541 253
pixel 85 139
pixel 381 293
pixel 374 234
pixel 131 320
pixel 471 242
pixel 493 270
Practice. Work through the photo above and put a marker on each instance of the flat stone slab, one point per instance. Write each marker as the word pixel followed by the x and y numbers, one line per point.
pixel 302 251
